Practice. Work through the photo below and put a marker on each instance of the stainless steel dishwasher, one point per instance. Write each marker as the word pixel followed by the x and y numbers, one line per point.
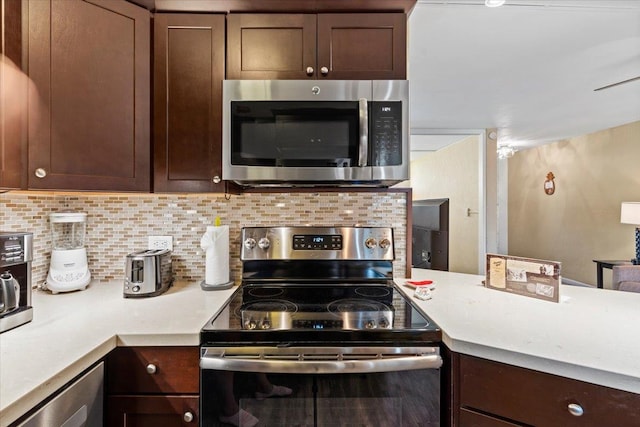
pixel 79 404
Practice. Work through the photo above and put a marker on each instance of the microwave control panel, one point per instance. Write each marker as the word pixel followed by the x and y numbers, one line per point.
pixel 385 118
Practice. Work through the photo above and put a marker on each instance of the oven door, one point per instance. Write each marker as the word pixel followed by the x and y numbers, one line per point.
pixel 331 386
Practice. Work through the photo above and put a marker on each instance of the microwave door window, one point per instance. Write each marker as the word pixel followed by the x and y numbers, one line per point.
pixel 320 143
pixel 284 133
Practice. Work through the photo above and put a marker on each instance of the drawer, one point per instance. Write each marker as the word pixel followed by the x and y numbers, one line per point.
pixel 152 411
pixel 153 370
pixel 469 418
pixel 537 398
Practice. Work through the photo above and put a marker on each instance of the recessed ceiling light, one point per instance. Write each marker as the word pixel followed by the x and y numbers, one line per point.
pixel 493 3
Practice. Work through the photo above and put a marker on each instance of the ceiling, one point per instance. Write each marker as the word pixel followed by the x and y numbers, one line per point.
pixel 528 68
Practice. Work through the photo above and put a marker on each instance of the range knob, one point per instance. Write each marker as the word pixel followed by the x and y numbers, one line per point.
pixel 370 243
pixel 250 324
pixel 249 243
pixel 264 243
pixel 383 323
pixel 385 243
pixel 265 324
pixel 370 324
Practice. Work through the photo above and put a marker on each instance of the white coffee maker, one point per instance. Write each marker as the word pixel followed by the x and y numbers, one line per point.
pixel 68 270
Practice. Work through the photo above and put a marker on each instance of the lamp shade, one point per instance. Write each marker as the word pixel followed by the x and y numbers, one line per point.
pixel 630 213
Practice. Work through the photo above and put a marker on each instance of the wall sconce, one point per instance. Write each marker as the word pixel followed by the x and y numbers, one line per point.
pixel 505 151
pixel 630 214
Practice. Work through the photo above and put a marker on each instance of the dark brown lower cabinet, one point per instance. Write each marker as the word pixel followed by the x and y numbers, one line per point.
pixel 152 386
pixel 492 394
pixel 152 411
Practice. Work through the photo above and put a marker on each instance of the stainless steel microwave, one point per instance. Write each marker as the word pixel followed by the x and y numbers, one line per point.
pixel 311 133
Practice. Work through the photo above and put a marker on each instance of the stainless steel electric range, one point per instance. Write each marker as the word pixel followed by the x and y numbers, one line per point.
pixel 318 311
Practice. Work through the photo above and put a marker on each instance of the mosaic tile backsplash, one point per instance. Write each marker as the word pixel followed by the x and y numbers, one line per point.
pixel 119 224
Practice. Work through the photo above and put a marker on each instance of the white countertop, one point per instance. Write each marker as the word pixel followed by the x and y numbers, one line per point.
pixel 71 331
pixel 591 335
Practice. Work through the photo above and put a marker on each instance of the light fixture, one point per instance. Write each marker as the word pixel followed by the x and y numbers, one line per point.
pixel 505 151
pixel 493 3
pixel 630 214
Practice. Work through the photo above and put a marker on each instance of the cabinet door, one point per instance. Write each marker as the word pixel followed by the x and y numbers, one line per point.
pixel 13 102
pixel 189 54
pixel 362 46
pixel 536 398
pixel 90 63
pixel 151 411
pixel 271 46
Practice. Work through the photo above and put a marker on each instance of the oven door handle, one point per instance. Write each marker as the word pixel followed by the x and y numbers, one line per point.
pixel 405 363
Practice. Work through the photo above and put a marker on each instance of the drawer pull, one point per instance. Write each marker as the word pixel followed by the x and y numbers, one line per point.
pixel 187 417
pixel 324 71
pixel 151 368
pixel 310 71
pixel 575 409
pixel 41 173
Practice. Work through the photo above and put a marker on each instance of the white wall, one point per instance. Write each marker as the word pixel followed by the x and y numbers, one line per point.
pixel 453 173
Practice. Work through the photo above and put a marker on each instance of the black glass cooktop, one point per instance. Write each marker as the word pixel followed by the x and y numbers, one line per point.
pixel 307 314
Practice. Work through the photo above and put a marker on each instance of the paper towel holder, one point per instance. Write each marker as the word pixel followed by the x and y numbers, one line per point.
pixel 223 286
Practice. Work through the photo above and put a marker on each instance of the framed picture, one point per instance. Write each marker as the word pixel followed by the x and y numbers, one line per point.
pixel 524 276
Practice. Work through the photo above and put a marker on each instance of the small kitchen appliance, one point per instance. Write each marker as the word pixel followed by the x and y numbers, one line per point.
pixel 16 254
pixel 147 273
pixel 318 311
pixel 68 270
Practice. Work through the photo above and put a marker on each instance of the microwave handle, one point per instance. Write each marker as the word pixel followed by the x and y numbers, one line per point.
pixel 363 122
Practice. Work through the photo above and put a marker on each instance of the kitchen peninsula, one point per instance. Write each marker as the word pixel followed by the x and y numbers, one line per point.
pixel 589 336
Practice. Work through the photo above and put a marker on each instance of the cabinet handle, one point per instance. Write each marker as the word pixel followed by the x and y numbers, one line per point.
pixel 187 417
pixel 151 368
pixel 41 173
pixel 309 71
pixel 324 71
pixel 575 409
pixel 216 179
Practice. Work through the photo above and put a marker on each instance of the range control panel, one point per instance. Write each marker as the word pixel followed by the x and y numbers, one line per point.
pixel 317 243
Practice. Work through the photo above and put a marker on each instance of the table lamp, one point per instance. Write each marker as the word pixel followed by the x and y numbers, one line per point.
pixel 630 214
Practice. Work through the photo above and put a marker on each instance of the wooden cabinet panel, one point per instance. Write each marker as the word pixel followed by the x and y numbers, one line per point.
pixel 271 46
pixel 189 52
pixel 90 63
pixel 541 399
pixel 470 418
pixel 348 46
pixel 176 370
pixel 151 411
pixel 362 46
pixel 13 102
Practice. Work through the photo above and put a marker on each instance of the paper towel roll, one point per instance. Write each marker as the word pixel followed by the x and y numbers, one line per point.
pixel 215 243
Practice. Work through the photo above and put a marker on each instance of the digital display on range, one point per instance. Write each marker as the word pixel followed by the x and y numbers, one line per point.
pixel 317 242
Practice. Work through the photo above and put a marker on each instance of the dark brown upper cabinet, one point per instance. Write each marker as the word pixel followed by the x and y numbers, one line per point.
pixel 188 73
pixel 13 151
pixel 339 46
pixel 90 62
